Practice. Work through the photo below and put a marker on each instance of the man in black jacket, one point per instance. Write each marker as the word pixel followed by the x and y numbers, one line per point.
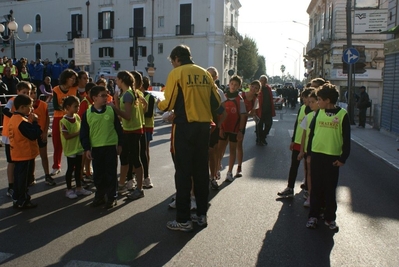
pixel 362 105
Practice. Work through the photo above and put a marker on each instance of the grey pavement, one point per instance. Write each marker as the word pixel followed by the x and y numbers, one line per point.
pixel 380 143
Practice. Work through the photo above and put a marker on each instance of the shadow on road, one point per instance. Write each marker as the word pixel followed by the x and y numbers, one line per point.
pixel 290 243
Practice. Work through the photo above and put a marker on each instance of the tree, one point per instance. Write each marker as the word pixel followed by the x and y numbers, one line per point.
pixel 247 58
pixel 282 68
pixel 261 67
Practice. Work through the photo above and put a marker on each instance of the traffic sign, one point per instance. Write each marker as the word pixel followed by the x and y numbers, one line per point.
pixel 350 56
pixel 151 71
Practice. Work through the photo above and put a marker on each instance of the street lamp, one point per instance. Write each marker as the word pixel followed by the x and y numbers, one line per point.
pixel 13 32
pixel 297 22
pixel 299 62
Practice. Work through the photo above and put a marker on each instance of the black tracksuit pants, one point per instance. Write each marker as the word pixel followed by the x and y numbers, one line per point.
pixel 191 143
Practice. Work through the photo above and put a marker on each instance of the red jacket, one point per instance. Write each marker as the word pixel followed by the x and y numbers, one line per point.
pixel 260 99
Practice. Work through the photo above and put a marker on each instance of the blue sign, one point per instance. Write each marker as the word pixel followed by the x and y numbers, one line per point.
pixel 350 56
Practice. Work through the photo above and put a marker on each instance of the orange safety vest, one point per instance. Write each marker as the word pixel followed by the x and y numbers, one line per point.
pixel 60 98
pixel 6 120
pixel 21 148
pixel 41 111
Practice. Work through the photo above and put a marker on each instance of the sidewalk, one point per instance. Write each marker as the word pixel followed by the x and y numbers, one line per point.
pixel 382 144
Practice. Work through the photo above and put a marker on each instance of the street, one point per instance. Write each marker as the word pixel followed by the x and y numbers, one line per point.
pixel 247 224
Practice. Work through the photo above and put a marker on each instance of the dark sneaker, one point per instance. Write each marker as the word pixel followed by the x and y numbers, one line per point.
pixel 312 223
pixel 260 144
pixel 305 194
pixel 288 192
pixel 185 227
pixel 10 191
pixel 49 180
pixel 111 204
pixel 25 206
pixel 214 184
pixel 136 194
pixel 332 225
pixel 200 220
pixel 97 202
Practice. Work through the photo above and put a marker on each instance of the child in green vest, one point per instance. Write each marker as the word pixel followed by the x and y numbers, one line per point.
pixel 101 138
pixel 73 150
pixel 328 148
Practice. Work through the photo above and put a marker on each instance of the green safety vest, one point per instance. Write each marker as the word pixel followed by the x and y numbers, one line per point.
pixel 299 130
pixel 327 137
pixel 102 129
pixel 71 146
pixel 137 119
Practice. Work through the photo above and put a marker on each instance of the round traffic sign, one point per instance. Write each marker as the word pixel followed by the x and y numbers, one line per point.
pixel 151 71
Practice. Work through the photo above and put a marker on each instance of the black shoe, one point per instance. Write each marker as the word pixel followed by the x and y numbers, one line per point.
pixel 25 206
pixel 264 142
pixel 49 180
pixel 97 202
pixel 259 144
pixel 214 185
pixel 111 204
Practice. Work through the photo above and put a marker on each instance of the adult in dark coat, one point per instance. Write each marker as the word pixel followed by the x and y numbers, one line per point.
pixel 362 105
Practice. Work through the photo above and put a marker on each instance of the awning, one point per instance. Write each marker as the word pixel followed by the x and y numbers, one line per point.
pixel 392 30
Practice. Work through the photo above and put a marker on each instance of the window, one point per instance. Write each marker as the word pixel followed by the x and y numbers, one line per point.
pixel 38 23
pixel 106 52
pixel 141 51
pixel 185 19
pixel 105 24
pixel 76 24
pixel 70 53
pixel 106 20
pixel 160 48
pixel 38 51
pixel 161 22
pixel 138 22
pixel 367 3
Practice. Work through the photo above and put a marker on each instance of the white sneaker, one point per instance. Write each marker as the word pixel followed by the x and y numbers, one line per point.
pixel 229 177
pixel 147 183
pixel 131 184
pixel 306 204
pixel 172 204
pixel 71 194
pixel 55 172
pixel 83 192
pixel 193 203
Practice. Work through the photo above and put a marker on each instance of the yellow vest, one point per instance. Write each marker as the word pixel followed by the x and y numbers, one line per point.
pixel 327 137
pixel 299 130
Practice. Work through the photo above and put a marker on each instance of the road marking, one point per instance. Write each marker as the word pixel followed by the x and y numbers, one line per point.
pixel 4 256
pixel 92 264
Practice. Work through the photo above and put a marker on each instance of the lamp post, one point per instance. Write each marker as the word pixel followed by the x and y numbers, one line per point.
pixel 13 32
pixel 299 62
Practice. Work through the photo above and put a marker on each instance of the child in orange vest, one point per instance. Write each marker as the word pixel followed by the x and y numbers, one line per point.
pixel 24 149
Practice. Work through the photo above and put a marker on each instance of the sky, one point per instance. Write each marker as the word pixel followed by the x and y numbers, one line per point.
pixel 270 24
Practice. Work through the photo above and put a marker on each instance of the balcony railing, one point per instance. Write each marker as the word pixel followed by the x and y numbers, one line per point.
pixel 105 34
pixel 232 32
pixel 137 32
pixel 74 34
pixel 185 29
pixel 322 37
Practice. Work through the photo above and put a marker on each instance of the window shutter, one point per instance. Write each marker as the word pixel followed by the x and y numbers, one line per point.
pixel 70 53
pixel 112 19
pixel 143 51
pixel 100 21
pixel 80 22
pixel 131 51
pixel 100 52
pixel 111 51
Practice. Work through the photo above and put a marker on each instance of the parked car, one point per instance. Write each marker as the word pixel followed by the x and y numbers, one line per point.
pixel 278 100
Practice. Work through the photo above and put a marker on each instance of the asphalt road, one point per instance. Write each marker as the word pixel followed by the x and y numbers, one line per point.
pixel 247 225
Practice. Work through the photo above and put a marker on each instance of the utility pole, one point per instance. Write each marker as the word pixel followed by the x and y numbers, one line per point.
pixel 351 98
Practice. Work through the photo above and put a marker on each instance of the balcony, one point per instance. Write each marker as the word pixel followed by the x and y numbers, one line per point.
pixel 232 34
pixel 185 29
pixel 320 41
pixel 137 32
pixel 74 34
pixel 105 34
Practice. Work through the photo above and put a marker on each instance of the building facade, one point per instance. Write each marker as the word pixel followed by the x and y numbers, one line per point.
pixel 328 40
pixel 130 34
pixel 390 96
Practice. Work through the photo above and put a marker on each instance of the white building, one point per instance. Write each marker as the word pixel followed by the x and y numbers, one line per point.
pixel 208 27
pixel 328 39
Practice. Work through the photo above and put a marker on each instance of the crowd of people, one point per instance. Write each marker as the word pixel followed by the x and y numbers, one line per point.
pixel 93 127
